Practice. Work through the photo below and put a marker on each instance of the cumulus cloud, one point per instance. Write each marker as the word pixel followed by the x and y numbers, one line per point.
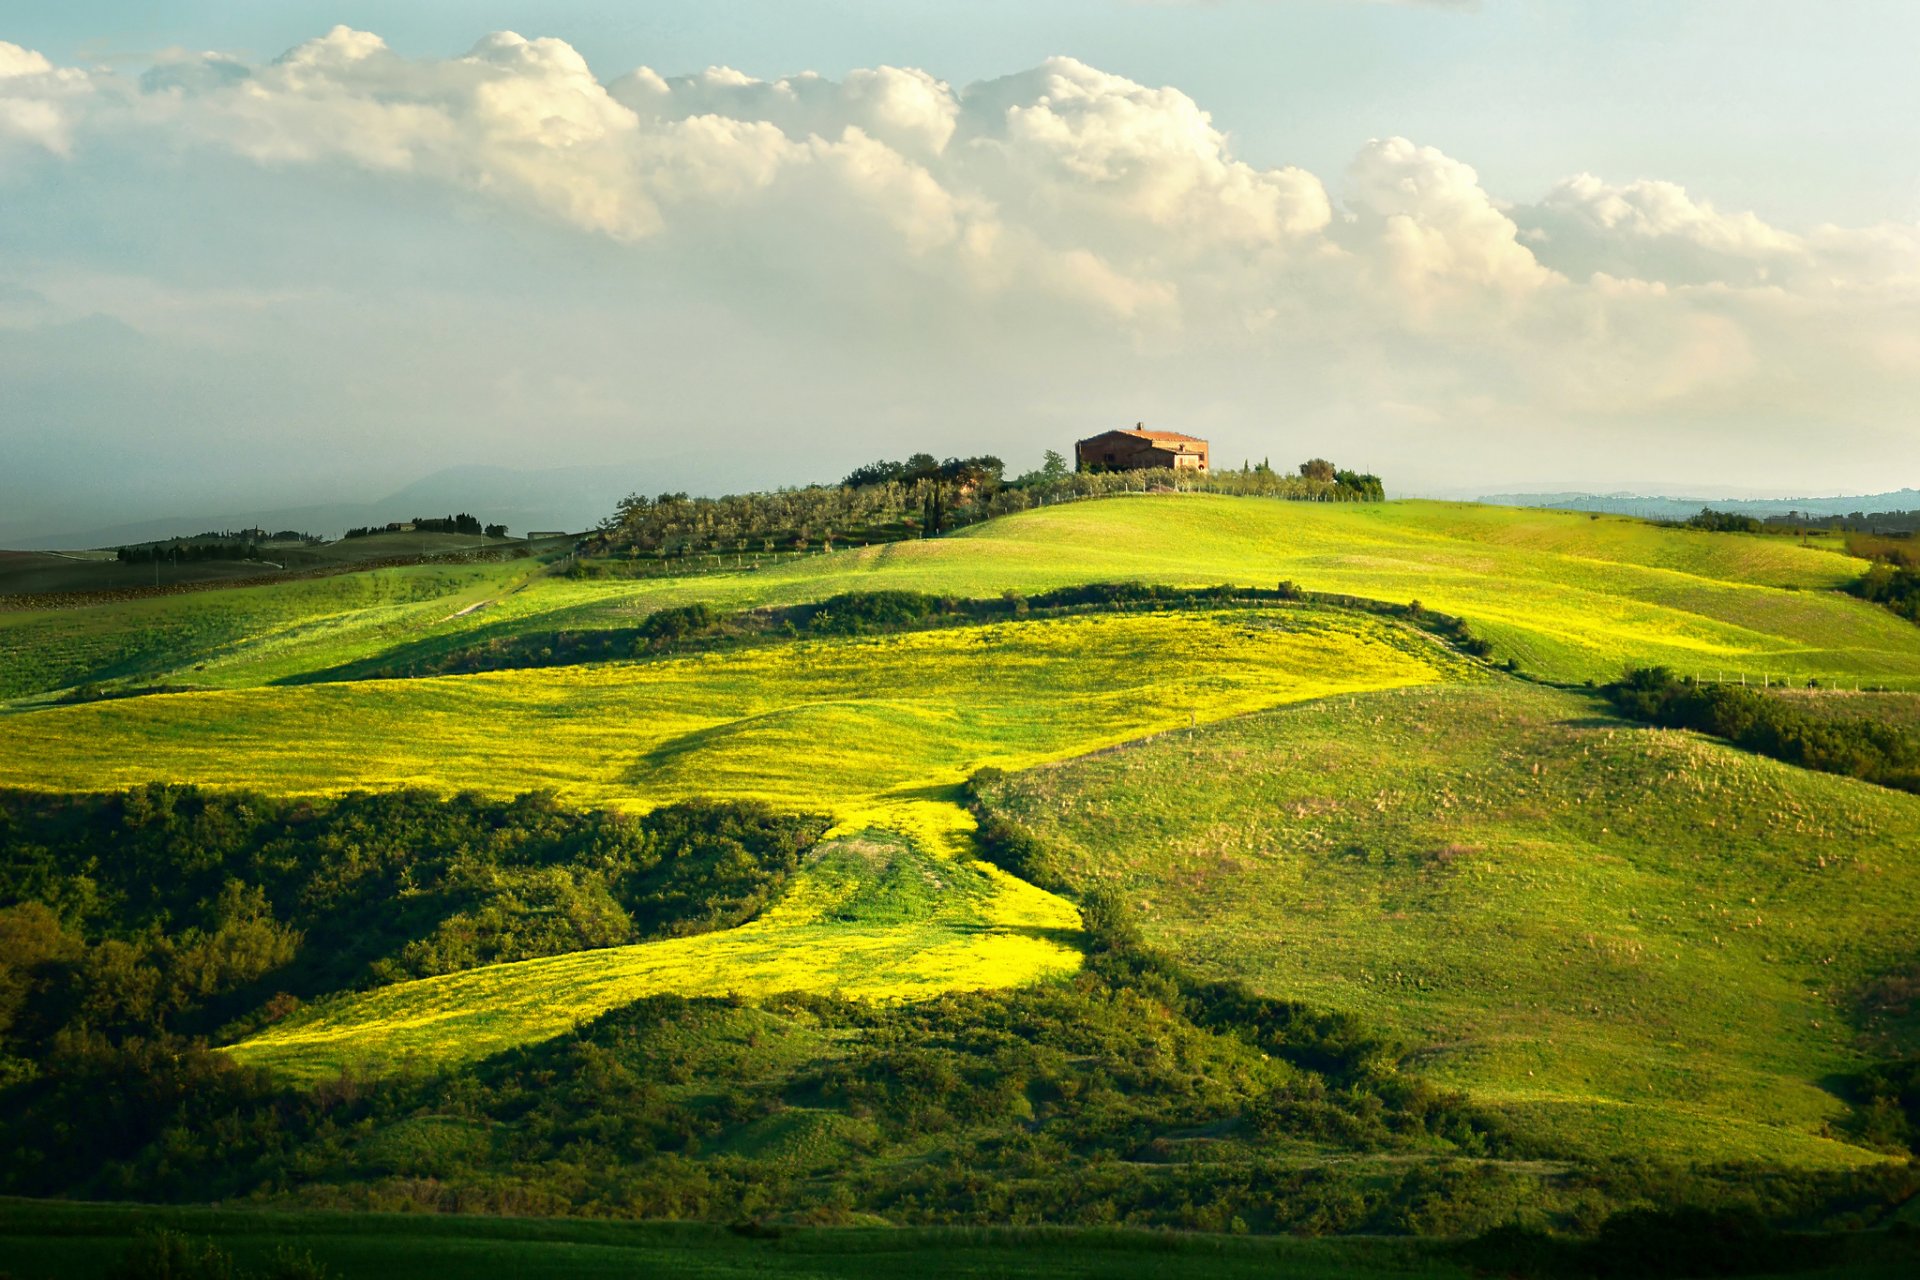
pixel 37 99
pixel 1064 179
pixel 1434 226
pixel 1059 199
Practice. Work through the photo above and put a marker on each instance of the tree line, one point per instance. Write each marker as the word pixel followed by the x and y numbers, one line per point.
pixel 461 523
pixel 188 552
pixel 887 501
pixel 1895 586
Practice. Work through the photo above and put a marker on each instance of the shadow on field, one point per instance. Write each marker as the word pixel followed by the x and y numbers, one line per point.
pixel 1594 722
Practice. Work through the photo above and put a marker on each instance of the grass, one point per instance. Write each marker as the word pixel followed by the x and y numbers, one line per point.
pixel 1568 596
pixel 75 1241
pixel 1632 941
pixel 873 916
pixel 829 723
pixel 239 635
pixel 78 1241
pixel 880 731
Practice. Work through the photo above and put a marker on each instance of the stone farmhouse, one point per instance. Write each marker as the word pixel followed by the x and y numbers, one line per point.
pixel 1140 449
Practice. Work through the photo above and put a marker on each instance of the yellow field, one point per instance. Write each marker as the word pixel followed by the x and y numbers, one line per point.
pixel 1568 596
pixel 976 928
pixel 827 724
pixel 878 731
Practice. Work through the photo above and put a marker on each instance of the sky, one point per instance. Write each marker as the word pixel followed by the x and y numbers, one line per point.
pixel 276 254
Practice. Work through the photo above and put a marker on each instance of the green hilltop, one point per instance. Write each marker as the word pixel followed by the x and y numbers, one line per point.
pixel 1316 888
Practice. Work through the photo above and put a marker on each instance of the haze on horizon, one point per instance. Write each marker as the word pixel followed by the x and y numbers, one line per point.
pixel 306 253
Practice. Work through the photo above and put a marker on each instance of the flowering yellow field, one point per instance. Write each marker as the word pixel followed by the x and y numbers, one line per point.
pixel 826 724
pixel 1567 596
pixel 879 731
pixel 970 927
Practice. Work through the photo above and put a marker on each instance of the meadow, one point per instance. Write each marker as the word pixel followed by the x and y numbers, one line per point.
pixel 196 636
pixel 879 731
pixel 873 916
pixel 74 1241
pixel 834 723
pixel 1567 596
pixel 1620 944
pixel 1631 941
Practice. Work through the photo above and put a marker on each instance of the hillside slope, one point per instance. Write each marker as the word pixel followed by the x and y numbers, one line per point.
pixel 1566 596
pixel 1635 941
pixel 1630 941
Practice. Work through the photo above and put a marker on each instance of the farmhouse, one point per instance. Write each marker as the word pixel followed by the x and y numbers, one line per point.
pixel 1140 449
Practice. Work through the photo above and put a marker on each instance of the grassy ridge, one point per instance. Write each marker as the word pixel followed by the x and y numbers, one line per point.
pixel 197 636
pixel 1634 941
pixel 874 916
pixel 1567 596
pixel 828 723
pixel 880 731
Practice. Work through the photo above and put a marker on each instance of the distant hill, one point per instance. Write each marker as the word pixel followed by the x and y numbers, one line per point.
pixel 1662 507
pixel 570 498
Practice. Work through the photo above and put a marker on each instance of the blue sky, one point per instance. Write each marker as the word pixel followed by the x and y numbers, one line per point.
pixel 1483 245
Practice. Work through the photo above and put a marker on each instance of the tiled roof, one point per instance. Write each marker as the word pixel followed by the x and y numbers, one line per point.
pixel 1166 435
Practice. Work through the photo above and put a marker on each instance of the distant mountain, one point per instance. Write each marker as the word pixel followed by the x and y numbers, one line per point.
pixel 1661 507
pixel 570 498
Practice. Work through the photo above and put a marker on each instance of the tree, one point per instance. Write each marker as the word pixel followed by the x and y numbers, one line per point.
pixel 1053 465
pixel 1317 469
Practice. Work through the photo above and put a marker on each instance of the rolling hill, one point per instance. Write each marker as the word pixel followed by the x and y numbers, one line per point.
pixel 1566 596
pixel 1325 898
pixel 1632 940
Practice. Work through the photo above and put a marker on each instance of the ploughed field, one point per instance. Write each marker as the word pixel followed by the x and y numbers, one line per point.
pixel 1626 941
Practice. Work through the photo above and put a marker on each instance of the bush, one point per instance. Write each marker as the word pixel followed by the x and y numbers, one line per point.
pixel 1724 522
pixel 1896 586
pixel 664 627
pixel 863 612
pixel 1870 750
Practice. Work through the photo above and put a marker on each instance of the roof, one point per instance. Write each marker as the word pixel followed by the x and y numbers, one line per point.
pixel 1141 434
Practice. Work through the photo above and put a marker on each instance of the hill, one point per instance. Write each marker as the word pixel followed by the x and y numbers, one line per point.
pixel 1565 596
pixel 88 577
pixel 1292 908
pixel 550 498
pixel 1632 941
pixel 1663 507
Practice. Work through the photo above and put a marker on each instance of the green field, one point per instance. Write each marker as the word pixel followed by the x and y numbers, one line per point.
pixel 873 916
pixel 879 731
pixel 1631 940
pixel 48 1241
pixel 196 637
pixel 69 1242
pixel 1619 942
pixel 1565 595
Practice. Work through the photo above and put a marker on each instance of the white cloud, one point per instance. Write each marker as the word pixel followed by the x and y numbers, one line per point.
pixel 1066 205
pixel 1433 225
pixel 37 100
